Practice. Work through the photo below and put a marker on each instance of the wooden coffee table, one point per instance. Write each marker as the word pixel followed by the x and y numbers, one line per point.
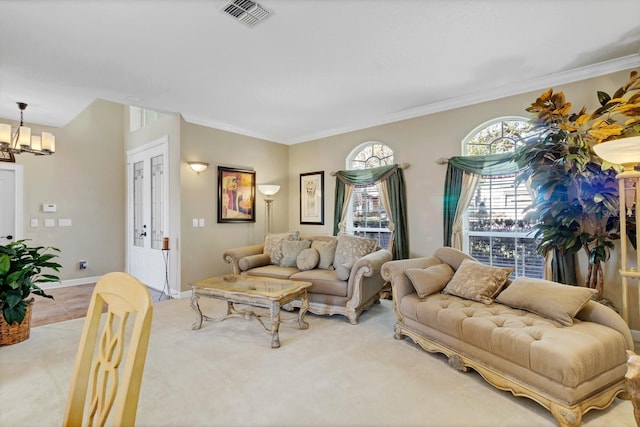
pixel 253 291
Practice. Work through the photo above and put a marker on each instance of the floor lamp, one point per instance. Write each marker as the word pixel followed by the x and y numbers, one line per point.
pixel 625 152
pixel 268 191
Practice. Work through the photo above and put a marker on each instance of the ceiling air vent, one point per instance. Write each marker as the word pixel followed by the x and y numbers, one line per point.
pixel 246 11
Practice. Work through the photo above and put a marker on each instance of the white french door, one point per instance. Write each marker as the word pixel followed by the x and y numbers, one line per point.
pixel 148 212
pixel 11 188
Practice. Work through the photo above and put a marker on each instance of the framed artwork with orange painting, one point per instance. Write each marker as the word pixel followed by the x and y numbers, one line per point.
pixel 236 195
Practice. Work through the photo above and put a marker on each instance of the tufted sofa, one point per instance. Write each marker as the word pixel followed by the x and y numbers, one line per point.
pixel 567 362
pixel 345 276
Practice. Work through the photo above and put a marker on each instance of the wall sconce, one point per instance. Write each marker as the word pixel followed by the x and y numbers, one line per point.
pixel 268 190
pixel 198 167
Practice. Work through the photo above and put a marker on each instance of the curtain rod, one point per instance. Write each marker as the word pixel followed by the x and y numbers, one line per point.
pixel 401 166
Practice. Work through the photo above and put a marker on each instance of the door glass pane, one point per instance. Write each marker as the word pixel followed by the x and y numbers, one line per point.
pixel 138 219
pixel 157 228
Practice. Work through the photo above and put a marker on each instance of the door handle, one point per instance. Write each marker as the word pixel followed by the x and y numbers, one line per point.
pixel 9 237
pixel 143 234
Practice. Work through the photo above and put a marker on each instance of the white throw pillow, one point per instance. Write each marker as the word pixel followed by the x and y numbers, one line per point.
pixel 307 259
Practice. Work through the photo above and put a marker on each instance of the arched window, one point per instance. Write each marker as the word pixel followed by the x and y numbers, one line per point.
pixel 497 231
pixel 367 216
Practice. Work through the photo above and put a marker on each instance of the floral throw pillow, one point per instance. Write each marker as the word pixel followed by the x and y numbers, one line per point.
pixel 273 244
pixel 477 282
pixel 349 250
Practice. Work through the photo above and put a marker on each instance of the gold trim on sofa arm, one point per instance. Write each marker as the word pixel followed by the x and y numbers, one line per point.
pixel 565 416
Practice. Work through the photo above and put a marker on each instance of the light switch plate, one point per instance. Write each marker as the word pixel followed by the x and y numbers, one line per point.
pixel 200 222
pixel 34 222
pixel 49 207
pixel 49 222
pixel 64 222
pixel 194 222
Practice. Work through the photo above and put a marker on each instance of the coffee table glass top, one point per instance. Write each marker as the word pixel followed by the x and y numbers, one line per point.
pixel 265 286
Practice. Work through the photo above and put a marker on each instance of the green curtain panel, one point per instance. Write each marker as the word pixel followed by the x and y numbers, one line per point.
pixel 397 196
pixel 489 165
pixel 452 190
pixel 563 268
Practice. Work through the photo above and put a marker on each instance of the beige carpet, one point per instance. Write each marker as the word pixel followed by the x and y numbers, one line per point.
pixel 226 374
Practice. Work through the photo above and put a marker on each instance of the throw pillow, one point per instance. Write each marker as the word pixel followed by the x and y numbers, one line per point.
pixel 477 282
pixel 430 280
pixel 290 251
pixel 307 259
pixel 327 251
pixel 350 249
pixel 552 300
pixel 273 244
pixel 342 272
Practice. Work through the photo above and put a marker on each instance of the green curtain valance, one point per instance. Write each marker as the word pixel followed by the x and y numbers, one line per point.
pixel 397 197
pixel 488 165
pixel 363 177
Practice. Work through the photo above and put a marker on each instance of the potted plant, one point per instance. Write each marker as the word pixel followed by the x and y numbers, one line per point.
pixel 575 204
pixel 21 270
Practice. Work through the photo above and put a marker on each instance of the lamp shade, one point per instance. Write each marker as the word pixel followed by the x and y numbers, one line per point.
pixel 623 151
pixel 268 190
pixel 5 133
pixel 198 167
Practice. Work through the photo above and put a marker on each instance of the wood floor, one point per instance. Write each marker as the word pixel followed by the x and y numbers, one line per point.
pixel 70 302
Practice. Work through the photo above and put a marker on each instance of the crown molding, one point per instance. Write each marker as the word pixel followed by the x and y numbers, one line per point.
pixel 563 77
pixel 214 124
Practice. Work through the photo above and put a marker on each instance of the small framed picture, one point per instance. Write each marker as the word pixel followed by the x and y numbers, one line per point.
pixel 236 195
pixel 312 198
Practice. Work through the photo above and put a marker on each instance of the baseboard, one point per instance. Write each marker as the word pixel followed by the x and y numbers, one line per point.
pixel 70 282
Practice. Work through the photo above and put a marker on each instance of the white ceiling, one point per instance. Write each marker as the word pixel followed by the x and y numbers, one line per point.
pixel 313 68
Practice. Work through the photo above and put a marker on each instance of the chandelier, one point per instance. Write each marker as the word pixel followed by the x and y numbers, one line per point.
pixel 22 141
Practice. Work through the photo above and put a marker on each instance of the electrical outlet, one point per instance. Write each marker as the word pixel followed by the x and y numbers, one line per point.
pixel 83 264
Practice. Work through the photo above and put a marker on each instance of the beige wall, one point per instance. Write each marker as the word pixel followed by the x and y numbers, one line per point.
pixel 202 247
pixel 85 179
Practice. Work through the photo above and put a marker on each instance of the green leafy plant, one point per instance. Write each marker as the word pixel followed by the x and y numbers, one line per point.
pixel 575 205
pixel 21 270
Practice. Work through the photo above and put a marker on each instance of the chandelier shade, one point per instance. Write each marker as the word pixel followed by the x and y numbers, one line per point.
pixel 22 141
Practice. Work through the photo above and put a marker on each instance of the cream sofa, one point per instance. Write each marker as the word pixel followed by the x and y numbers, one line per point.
pixel 345 280
pixel 567 362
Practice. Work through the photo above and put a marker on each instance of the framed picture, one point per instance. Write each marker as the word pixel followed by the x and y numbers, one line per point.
pixel 236 195
pixel 5 156
pixel 312 198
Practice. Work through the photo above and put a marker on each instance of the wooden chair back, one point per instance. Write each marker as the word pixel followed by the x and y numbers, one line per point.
pixel 97 383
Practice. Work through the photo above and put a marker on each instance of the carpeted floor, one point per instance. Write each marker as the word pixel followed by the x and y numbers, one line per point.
pixel 226 374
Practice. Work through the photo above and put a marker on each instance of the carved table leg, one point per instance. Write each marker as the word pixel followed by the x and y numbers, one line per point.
pixel 196 310
pixel 304 306
pixel 275 324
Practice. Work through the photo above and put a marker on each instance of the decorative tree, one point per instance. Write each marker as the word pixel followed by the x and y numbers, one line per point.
pixel 575 204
